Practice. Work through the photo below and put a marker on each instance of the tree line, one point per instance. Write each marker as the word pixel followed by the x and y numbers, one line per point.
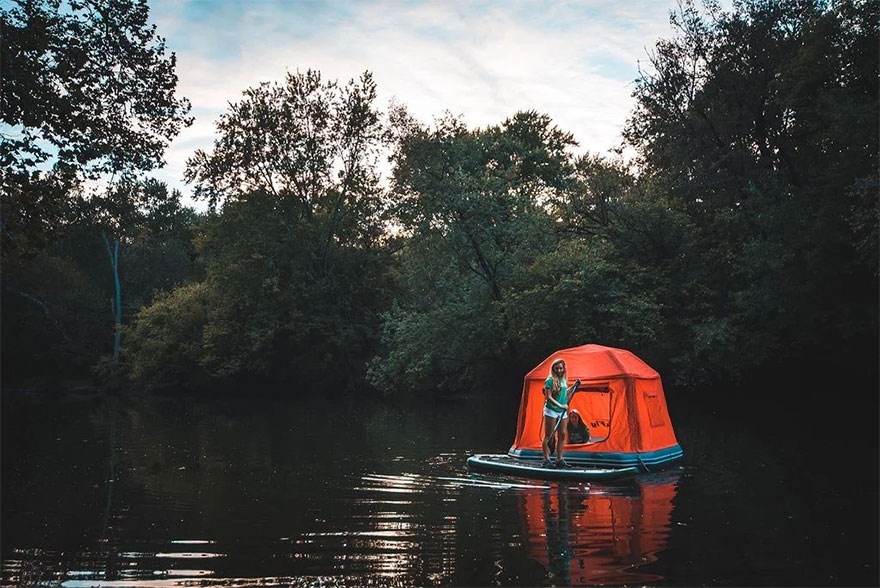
pixel 740 244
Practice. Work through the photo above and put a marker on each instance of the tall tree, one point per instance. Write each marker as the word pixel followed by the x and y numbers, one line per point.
pixel 312 144
pixel 88 94
pixel 471 202
pixel 128 213
pixel 87 84
pixel 292 257
pixel 759 124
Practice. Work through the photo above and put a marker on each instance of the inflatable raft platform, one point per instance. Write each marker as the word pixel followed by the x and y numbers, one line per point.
pixel 530 468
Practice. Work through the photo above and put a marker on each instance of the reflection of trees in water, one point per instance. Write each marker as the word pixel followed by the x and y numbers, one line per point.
pixel 233 469
pixel 228 471
pixel 183 459
pixel 593 535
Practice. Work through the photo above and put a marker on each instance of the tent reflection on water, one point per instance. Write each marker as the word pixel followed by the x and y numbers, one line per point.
pixel 596 536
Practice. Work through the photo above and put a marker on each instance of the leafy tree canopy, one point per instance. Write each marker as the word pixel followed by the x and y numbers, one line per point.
pixel 88 83
pixel 760 126
pixel 293 268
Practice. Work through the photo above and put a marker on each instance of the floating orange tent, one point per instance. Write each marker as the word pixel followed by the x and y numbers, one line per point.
pixel 620 398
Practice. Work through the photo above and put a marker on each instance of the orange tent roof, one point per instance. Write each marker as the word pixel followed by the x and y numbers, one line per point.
pixel 595 362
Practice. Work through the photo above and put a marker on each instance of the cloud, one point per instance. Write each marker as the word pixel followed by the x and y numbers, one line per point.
pixel 574 61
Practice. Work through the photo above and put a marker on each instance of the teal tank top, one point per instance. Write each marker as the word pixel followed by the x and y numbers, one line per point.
pixel 561 398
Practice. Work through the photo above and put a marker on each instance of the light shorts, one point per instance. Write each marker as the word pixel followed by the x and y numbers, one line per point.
pixel 549 412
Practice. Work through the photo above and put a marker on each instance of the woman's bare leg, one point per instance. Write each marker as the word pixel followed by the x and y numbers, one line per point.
pixel 560 438
pixel 549 423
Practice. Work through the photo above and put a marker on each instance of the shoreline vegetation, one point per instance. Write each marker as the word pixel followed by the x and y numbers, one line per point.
pixel 740 244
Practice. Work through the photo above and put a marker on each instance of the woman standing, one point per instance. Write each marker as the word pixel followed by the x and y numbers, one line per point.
pixel 555 407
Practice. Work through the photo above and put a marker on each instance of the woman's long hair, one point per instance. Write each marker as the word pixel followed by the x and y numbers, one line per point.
pixel 558 380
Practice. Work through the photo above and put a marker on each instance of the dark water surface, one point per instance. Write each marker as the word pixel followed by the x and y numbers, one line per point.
pixel 197 492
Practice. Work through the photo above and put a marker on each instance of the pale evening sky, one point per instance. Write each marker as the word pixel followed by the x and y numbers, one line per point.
pixel 575 61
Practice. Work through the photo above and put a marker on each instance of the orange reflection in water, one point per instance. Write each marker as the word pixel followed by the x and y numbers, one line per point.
pixel 599 535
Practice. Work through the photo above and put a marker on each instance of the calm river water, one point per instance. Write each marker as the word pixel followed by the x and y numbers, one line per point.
pixel 162 491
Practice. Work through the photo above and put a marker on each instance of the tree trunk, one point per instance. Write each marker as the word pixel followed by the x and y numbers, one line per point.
pixel 116 302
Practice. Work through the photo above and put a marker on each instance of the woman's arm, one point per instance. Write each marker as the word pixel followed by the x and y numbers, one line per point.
pixel 552 400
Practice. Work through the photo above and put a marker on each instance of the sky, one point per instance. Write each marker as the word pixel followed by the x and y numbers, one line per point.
pixel 575 61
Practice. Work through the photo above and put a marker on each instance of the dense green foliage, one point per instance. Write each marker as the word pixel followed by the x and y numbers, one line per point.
pixel 489 276
pixel 88 80
pixel 58 299
pixel 88 94
pixel 760 126
pixel 293 264
pixel 742 241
